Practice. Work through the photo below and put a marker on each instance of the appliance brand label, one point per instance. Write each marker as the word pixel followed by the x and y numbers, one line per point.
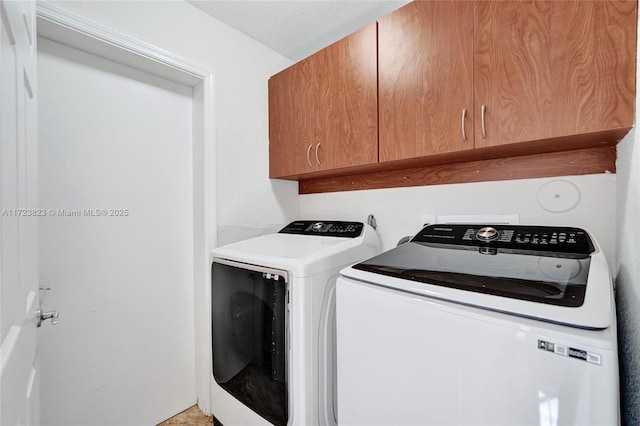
pixel 577 353
pixel 567 351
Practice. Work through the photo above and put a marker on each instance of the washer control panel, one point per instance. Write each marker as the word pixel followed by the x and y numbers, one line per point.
pixel 549 239
pixel 324 228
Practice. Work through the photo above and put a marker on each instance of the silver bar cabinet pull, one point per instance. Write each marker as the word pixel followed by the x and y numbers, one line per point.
pixel 484 130
pixel 464 115
pixel 318 158
pixel 308 157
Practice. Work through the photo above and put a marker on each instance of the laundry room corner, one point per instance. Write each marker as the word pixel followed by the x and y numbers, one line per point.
pixel 627 271
pixel 258 270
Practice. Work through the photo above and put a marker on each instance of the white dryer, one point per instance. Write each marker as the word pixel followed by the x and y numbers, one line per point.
pixel 479 325
pixel 273 322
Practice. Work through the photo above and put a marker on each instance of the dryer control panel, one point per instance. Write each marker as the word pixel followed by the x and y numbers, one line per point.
pixel 324 228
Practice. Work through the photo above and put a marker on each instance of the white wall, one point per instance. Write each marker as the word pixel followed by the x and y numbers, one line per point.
pixel 628 269
pixel 398 210
pixel 628 274
pixel 248 202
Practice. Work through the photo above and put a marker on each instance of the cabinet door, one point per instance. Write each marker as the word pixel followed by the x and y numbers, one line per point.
pixel 346 101
pixel 547 69
pixel 291 125
pixel 425 60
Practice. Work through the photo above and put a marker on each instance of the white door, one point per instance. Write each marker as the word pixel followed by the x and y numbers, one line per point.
pixel 19 374
pixel 116 247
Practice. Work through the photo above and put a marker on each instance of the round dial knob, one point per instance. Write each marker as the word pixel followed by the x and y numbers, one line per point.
pixel 487 234
pixel 318 226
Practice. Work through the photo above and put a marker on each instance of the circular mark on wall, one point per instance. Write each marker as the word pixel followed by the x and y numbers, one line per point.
pixel 558 196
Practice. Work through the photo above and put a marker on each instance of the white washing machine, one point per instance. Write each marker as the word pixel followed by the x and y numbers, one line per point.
pixel 273 322
pixel 479 325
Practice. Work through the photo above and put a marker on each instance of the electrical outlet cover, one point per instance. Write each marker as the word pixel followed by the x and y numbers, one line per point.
pixel 495 219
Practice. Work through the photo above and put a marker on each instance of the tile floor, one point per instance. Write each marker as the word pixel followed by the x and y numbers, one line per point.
pixel 189 417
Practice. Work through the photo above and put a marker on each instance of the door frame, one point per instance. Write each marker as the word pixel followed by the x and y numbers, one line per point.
pixel 59 25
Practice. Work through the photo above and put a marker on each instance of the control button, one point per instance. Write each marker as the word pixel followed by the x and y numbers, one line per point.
pixel 487 234
pixel 506 236
pixel 468 235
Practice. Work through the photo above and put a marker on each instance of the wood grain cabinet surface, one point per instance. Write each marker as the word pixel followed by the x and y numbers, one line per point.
pixel 440 83
pixel 323 110
pixel 549 69
pixel 291 120
pixel 425 74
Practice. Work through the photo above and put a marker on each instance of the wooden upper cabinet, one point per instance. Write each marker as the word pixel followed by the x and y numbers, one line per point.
pixel 323 110
pixel 458 81
pixel 546 69
pixel 291 121
pixel 425 69
pixel 346 111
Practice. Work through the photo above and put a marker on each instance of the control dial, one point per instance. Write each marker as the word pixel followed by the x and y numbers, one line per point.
pixel 318 226
pixel 487 234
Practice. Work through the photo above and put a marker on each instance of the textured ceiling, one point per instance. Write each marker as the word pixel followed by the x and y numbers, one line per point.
pixel 297 28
